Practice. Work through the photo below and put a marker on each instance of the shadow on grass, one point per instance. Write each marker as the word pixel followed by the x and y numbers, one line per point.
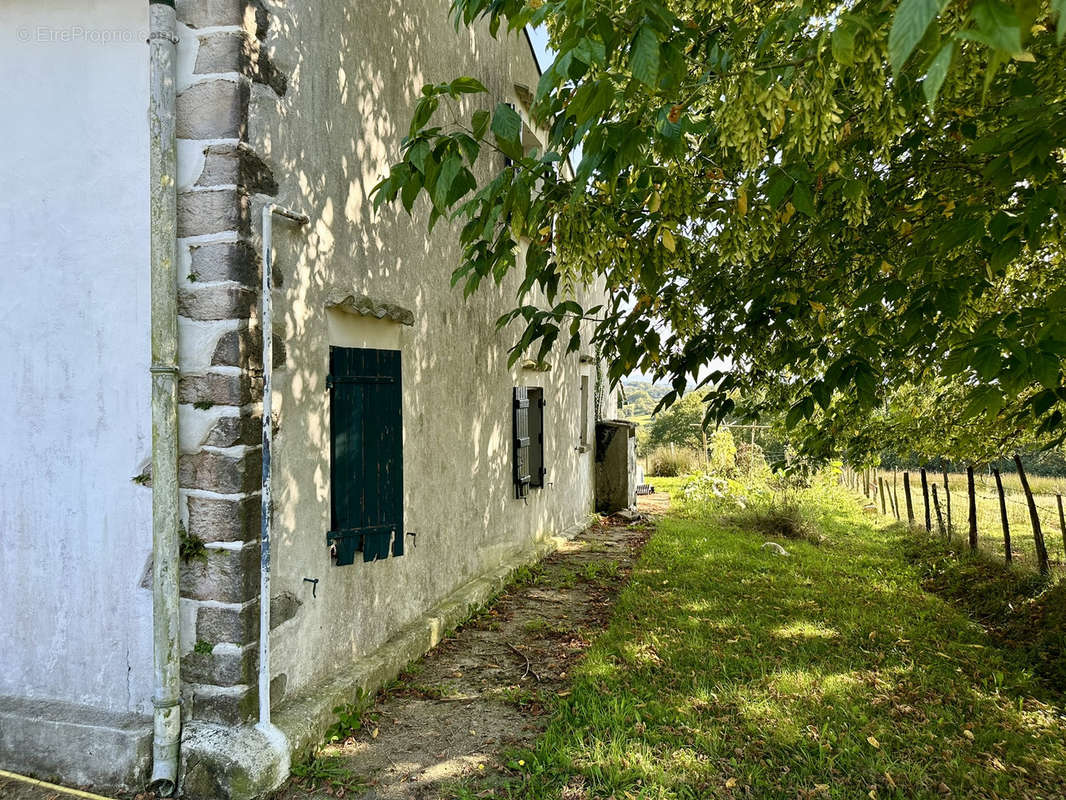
pixel 1024 612
pixel 729 671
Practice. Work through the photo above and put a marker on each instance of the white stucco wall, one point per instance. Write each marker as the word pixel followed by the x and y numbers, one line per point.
pixel 329 139
pixel 75 532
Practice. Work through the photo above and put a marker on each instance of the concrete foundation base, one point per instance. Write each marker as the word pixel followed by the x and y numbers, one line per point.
pixel 245 763
pixel 75 745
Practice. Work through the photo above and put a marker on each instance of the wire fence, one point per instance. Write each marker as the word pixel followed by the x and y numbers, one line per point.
pixel 995 518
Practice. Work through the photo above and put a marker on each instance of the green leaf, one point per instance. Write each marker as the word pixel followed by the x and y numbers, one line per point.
pixel 644 57
pixel 999 25
pixel 480 123
pixel 865 384
pixel 471 149
pixel 822 393
pixel 419 154
pixel 423 111
pixel 507 126
pixel 909 24
pixel 1045 369
pixel 778 187
pixel 803 200
pixel 448 171
pixel 938 70
pixel 843 41
pixel 466 85
pixel 1043 401
pixel 410 191
pixel 982 401
pixel 987 362
pixel 1005 254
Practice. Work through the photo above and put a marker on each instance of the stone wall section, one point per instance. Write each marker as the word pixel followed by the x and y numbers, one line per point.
pixel 222 182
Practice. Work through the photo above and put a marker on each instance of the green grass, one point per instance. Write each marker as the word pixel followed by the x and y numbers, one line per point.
pixel 669 485
pixel 1022 610
pixel 729 672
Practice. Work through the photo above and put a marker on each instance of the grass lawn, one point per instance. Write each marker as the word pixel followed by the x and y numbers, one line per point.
pixel 669 485
pixel 730 672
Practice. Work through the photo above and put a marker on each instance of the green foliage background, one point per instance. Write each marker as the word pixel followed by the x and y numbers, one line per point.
pixel 857 204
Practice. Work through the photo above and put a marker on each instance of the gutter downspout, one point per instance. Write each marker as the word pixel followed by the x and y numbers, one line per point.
pixel 164 324
pixel 267 328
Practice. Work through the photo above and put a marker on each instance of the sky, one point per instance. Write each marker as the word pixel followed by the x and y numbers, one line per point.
pixel 545 56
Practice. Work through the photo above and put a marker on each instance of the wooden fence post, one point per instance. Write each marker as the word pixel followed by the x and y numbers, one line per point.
pixel 1038 534
pixel 947 497
pixel 881 490
pixel 1062 522
pixel 973 506
pixel 939 515
pixel 907 497
pixel 925 496
pixel 1003 516
pixel 895 495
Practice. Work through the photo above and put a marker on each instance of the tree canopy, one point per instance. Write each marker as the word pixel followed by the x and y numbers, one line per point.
pixel 849 201
pixel 680 425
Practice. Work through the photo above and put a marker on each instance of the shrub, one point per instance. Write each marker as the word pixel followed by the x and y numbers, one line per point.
pixel 723 455
pixel 705 493
pixel 775 505
pixel 667 462
pixel 784 517
pixel 751 460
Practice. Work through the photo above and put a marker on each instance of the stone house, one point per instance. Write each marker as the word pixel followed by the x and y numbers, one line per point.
pixel 410 469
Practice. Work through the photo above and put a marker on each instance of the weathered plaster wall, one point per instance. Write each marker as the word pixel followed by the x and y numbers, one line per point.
pixel 355 70
pixel 75 532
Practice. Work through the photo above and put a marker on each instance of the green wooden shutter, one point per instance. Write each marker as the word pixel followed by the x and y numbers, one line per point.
pixel 521 442
pixel 366 453
pixel 537 469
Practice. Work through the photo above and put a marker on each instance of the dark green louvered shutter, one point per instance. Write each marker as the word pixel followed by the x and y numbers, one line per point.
pixel 522 475
pixel 537 469
pixel 366 453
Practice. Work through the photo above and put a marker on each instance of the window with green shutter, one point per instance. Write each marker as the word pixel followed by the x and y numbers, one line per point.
pixel 366 454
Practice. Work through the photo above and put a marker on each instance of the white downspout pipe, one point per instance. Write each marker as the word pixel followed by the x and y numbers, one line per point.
pixel 266 325
pixel 166 625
